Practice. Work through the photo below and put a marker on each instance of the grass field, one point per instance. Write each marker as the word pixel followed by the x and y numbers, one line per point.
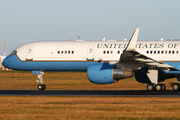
pixel 83 108
pixel 89 108
pixel 12 80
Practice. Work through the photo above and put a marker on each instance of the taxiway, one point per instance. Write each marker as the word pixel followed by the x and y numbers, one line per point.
pixel 106 93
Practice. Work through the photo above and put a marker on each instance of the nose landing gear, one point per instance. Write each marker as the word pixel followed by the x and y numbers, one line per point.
pixel 41 86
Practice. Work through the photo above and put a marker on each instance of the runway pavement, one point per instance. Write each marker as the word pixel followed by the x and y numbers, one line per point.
pixel 106 93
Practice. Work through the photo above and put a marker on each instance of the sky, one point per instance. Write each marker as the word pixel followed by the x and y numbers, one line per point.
pixel 24 21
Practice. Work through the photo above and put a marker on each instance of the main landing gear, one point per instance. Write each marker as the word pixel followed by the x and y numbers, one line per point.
pixel 176 86
pixel 162 87
pixel 152 74
pixel 41 86
pixel 158 87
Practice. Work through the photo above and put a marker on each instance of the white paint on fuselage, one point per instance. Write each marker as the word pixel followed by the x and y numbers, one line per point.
pixel 48 50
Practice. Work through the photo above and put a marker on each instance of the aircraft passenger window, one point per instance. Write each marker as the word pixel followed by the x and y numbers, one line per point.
pixel 65 52
pixel 147 52
pixel 107 52
pixel 58 52
pixel 169 52
pixel 14 53
pixel 158 52
pixel 72 52
pixel 165 52
pixel 151 52
pixel 61 52
pixel 154 52
pixel 162 52
pixel 104 52
pixel 69 52
pixel 118 52
pixel 172 52
pixel 177 52
pixel 111 52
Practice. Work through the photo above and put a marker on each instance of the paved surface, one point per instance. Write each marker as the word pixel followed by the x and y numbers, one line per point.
pixel 131 93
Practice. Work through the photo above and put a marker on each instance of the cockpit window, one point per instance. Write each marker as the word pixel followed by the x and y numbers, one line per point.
pixel 14 53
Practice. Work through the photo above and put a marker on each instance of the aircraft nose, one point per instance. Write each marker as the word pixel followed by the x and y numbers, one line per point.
pixel 6 62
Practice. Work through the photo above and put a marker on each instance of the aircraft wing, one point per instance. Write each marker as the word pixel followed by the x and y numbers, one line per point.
pixel 132 59
pixel 136 60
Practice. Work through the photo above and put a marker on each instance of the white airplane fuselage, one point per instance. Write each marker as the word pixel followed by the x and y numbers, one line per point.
pixel 105 61
pixel 78 55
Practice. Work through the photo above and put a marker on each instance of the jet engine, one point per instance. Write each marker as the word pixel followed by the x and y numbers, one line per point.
pixel 104 73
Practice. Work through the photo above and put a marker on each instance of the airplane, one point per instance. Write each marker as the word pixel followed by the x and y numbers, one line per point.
pixel 107 61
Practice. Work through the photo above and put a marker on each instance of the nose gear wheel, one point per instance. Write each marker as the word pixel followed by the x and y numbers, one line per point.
pixel 41 87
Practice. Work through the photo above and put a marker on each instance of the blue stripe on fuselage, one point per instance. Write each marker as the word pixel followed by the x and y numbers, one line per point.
pixel 13 62
pixel 174 64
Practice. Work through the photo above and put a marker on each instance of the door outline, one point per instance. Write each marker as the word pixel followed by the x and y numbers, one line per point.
pixel 29 53
pixel 90 52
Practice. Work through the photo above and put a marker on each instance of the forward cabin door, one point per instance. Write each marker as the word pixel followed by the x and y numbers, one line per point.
pixel 29 53
pixel 90 52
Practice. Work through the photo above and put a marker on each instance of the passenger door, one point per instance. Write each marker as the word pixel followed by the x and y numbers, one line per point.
pixel 29 53
pixel 90 53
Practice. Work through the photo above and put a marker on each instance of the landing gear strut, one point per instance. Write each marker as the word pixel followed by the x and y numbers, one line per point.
pixel 41 86
pixel 158 87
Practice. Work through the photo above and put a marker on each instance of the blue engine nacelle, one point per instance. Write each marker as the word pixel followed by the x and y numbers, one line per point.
pixel 104 73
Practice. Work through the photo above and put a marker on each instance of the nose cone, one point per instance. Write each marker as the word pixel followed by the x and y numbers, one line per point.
pixel 7 62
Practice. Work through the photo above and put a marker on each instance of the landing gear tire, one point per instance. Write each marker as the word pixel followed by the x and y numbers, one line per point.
pixel 158 87
pixel 150 87
pixel 41 87
pixel 163 87
pixel 175 87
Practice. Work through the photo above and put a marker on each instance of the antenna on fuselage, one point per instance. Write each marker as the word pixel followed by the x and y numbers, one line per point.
pixel 104 39
pixel 125 39
pixel 161 39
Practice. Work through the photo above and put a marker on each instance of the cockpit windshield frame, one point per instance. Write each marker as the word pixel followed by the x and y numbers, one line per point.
pixel 13 53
